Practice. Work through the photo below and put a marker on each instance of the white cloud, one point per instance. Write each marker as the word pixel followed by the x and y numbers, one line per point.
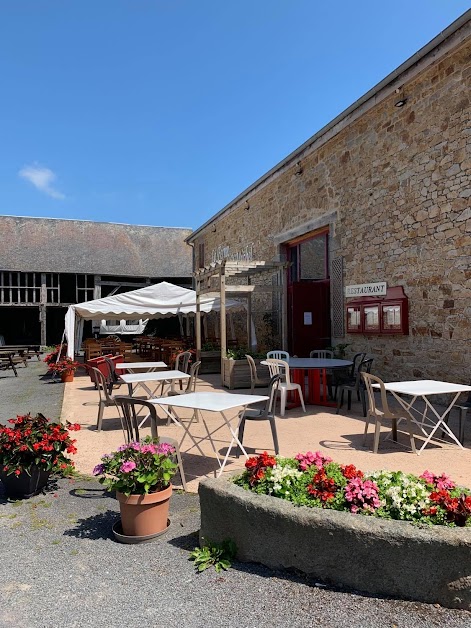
pixel 42 179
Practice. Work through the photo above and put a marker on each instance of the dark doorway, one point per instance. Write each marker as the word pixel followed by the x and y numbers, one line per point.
pixel 20 325
pixel 308 294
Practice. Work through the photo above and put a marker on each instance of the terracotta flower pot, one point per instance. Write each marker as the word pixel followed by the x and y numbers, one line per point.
pixel 143 515
pixel 23 485
pixel 67 376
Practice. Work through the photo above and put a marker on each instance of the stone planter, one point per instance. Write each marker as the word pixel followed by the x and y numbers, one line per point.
pixel 236 373
pixel 382 557
pixel 210 362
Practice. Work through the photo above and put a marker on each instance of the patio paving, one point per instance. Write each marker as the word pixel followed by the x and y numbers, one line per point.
pixel 339 436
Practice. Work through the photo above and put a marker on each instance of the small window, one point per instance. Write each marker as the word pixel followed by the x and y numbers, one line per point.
pixel 391 317
pixel 201 255
pixel 313 262
pixel 371 314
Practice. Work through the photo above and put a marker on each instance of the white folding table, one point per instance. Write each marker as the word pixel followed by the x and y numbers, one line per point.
pixel 131 367
pixel 219 402
pixel 143 379
pixel 424 389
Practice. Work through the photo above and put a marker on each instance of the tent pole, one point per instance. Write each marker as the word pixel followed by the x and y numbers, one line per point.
pixel 249 318
pixel 222 288
pixel 198 322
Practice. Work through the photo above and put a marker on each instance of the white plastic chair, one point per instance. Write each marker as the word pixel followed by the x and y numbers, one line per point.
pixel 324 354
pixel 278 355
pixel 280 367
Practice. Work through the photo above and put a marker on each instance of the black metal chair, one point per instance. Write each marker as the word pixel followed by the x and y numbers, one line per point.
pixel 355 385
pixel 263 414
pixel 464 408
pixel 131 426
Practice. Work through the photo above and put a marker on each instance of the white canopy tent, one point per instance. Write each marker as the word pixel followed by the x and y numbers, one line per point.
pixel 158 301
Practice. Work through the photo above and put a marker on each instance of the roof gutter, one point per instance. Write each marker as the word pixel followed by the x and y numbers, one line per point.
pixel 371 95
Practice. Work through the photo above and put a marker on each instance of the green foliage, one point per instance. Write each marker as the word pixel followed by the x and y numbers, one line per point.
pixel 339 350
pixel 29 442
pixel 239 353
pixel 138 468
pixel 314 480
pixel 220 555
pixel 210 346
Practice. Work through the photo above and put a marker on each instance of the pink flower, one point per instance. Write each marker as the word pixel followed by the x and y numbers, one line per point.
pixel 428 476
pixel 442 482
pixel 127 466
pixel 309 459
pixel 165 449
pixel 362 495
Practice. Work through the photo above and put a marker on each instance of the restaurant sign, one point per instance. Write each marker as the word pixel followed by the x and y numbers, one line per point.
pixel 366 290
pixel 244 254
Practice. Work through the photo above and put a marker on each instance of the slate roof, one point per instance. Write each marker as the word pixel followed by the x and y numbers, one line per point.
pixel 80 246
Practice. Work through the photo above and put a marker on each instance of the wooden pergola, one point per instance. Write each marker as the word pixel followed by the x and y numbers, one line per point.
pixel 212 281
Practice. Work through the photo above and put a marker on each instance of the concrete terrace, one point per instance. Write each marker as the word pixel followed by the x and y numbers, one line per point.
pixel 339 436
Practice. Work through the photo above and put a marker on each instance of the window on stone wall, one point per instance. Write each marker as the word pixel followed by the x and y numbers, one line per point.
pixel 201 255
pixel 309 258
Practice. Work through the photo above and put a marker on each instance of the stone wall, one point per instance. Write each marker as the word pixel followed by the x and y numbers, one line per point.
pixel 397 181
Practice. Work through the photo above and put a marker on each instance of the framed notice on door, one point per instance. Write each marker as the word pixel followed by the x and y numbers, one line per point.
pixel 308 318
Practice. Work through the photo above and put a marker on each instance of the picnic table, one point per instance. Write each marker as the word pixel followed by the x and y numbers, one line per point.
pixel 24 351
pixel 8 361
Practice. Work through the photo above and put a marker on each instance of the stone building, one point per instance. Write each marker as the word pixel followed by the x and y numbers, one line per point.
pixel 373 214
pixel 47 264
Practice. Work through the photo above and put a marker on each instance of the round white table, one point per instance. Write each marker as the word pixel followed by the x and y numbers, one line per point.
pixel 316 368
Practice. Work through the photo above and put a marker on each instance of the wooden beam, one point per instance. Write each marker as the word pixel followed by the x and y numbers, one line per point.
pixel 142 284
pixel 97 287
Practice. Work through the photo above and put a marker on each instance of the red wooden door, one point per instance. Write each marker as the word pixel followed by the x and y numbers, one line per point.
pixel 309 316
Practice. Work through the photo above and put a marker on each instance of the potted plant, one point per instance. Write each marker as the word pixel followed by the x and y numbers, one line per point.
pixel 65 368
pixel 210 356
pixel 51 357
pixel 235 368
pixel 140 473
pixel 30 449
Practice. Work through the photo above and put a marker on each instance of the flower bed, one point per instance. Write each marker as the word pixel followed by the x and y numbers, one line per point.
pixel 375 549
pixel 312 479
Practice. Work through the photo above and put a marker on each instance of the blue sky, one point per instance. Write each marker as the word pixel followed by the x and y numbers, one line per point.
pixel 159 112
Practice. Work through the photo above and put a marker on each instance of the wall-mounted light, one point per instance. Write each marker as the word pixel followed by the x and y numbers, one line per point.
pixel 298 169
pixel 247 205
pixel 214 229
pixel 402 99
pixel 401 102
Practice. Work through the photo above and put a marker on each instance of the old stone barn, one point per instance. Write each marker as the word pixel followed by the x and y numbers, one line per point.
pixel 47 264
pixel 373 214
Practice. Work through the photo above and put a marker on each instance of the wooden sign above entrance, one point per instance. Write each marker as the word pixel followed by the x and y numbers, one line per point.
pixel 366 289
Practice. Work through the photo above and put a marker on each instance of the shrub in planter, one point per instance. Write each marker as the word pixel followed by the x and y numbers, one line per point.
pixel 374 532
pixel 30 449
pixel 65 368
pixel 313 480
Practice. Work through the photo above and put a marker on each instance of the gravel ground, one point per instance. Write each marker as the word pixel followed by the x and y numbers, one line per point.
pixel 32 391
pixel 60 566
